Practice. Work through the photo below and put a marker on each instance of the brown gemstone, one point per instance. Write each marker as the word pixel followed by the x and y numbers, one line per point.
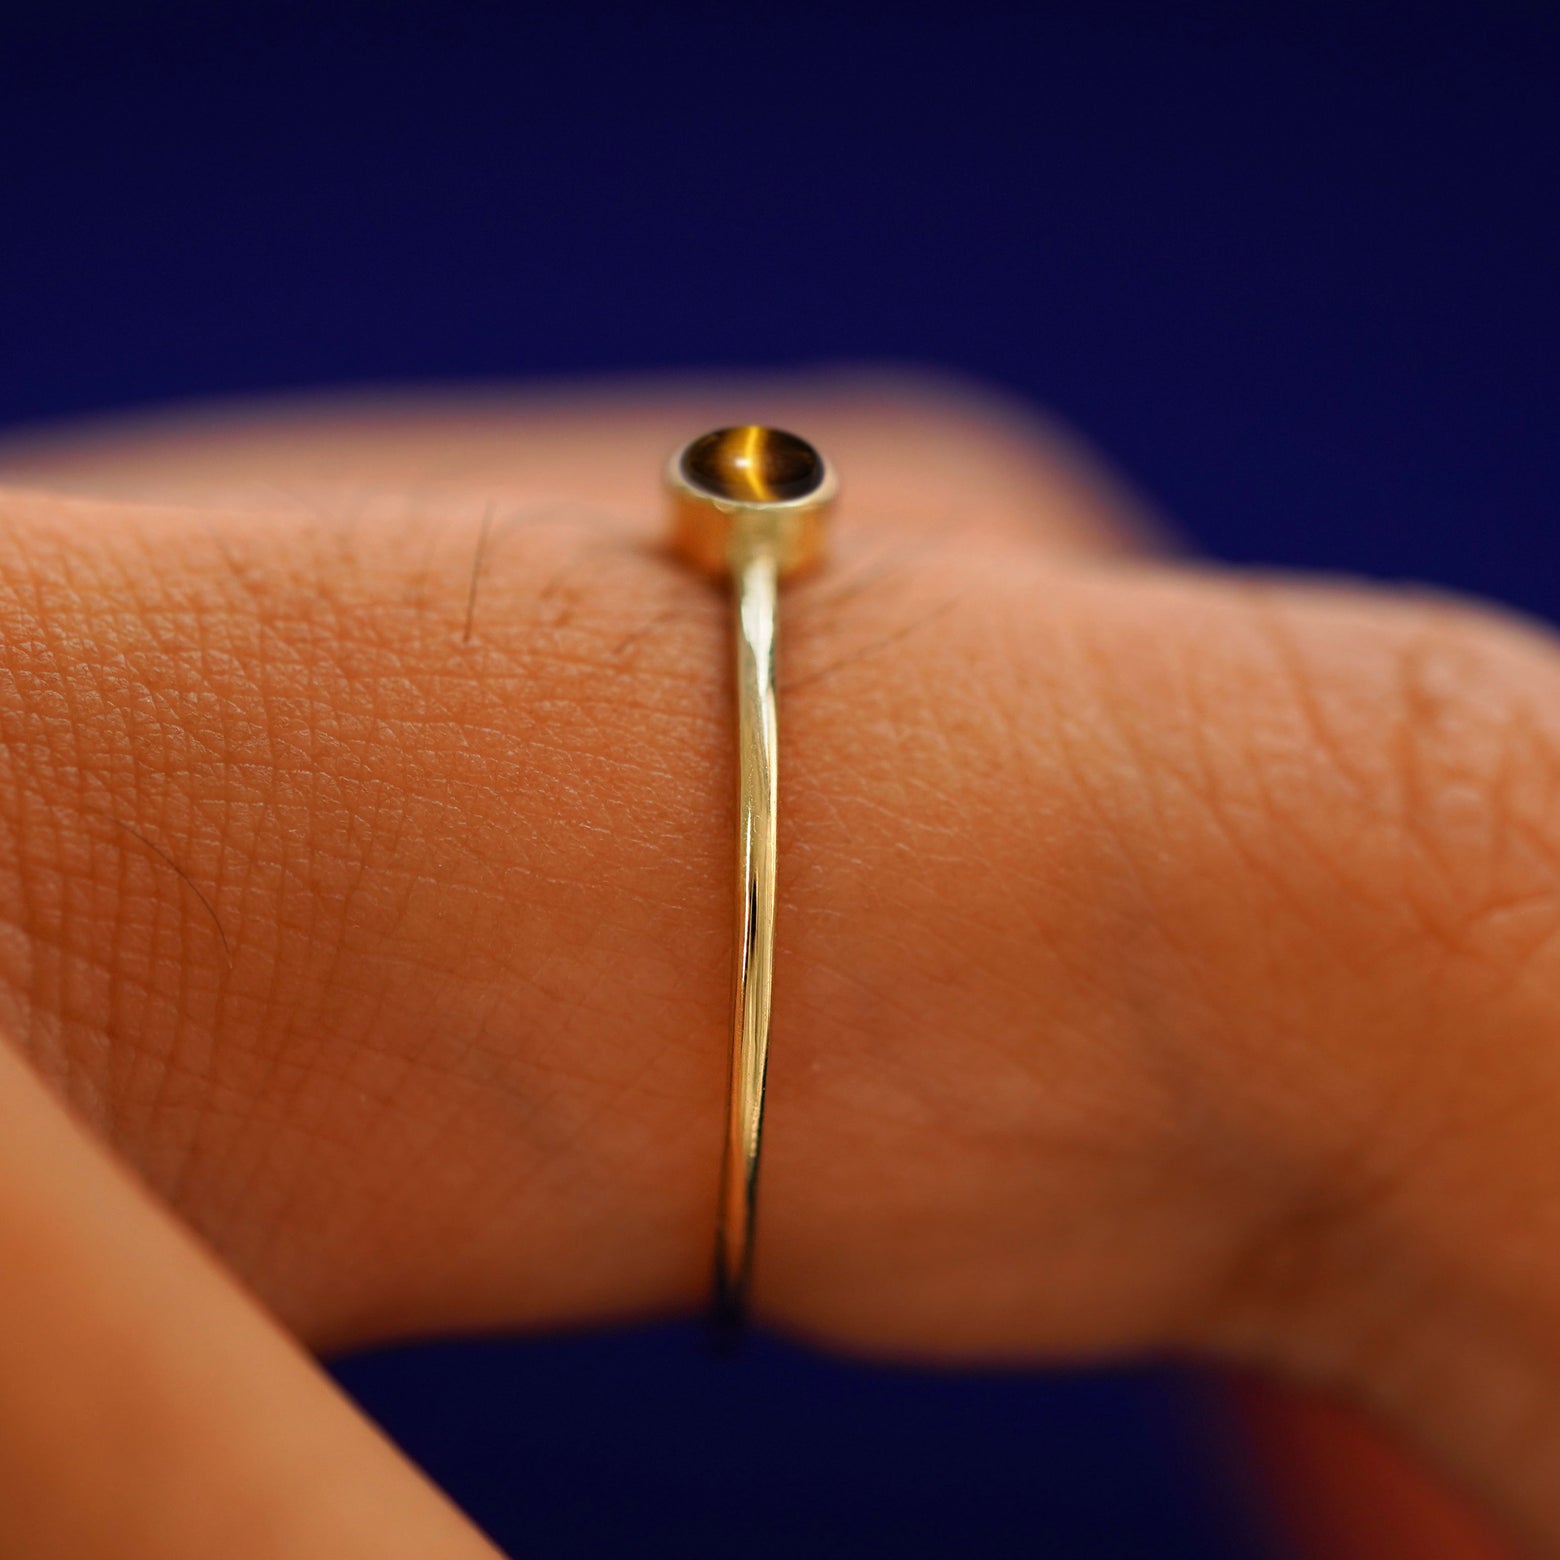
pixel 752 465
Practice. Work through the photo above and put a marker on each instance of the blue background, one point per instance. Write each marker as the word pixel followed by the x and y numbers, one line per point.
pixel 1294 268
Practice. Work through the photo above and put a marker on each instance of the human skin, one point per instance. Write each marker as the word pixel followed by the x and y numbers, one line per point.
pixel 1166 957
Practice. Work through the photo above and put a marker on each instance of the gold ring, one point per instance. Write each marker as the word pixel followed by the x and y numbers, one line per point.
pixel 748 505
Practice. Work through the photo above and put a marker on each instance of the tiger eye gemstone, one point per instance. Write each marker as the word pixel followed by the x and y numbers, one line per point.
pixel 752 465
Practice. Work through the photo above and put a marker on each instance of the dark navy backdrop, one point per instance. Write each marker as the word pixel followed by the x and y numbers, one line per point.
pixel 1294 268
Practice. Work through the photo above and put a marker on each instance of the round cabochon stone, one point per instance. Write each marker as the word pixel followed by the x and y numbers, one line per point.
pixel 752 465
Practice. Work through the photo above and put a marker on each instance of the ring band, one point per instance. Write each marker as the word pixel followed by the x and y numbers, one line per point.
pixel 748 505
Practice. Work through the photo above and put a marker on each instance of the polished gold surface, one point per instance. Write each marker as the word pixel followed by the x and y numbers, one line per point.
pixel 754 541
pixel 713 525
pixel 757 801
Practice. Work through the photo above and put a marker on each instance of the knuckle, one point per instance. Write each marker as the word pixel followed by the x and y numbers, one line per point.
pixel 1401 1005
pixel 1477 761
pixel 1423 763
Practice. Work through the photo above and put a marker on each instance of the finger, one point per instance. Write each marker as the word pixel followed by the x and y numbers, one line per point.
pixel 147 1408
pixel 926 458
pixel 1165 962
pixel 1345 1492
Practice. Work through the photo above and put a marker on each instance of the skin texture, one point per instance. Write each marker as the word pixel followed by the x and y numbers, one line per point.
pixel 1166 958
